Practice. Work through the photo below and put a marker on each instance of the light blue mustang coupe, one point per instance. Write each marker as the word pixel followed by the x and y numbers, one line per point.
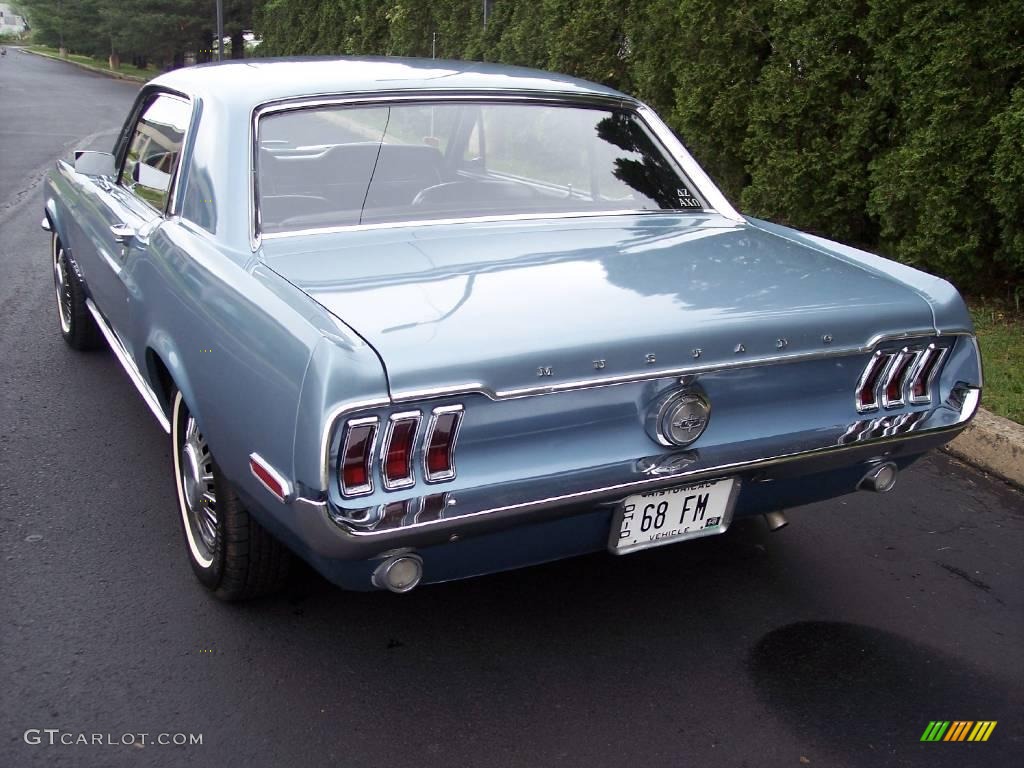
pixel 414 321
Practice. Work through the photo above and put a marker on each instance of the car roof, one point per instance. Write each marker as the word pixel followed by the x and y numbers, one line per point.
pixel 251 82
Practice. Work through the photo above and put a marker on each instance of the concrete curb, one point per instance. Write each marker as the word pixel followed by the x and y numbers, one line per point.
pixel 80 65
pixel 993 444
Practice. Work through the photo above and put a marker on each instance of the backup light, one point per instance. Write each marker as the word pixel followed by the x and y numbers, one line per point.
pixel 399 573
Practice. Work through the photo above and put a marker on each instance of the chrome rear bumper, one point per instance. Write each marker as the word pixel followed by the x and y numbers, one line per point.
pixel 424 521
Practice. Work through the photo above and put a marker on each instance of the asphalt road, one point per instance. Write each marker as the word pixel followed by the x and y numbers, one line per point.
pixel 831 643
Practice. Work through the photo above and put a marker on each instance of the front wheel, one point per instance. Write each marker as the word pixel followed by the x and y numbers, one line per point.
pixel 77 325
pixel 231 554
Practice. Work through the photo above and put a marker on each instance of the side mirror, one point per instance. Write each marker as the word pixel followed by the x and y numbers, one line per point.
pixel 150 177
pixel 95 164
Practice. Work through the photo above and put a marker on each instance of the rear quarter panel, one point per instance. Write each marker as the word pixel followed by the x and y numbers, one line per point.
pixel 237 344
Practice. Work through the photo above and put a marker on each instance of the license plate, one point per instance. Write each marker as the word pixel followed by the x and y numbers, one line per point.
pixel 672 514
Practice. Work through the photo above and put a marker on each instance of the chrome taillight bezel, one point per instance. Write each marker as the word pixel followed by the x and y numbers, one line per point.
pixel 445 410
pixel 899 370
pixel 899 367
pixel 874 372
pixel 365 489
pixel 409 479
pixel 931 360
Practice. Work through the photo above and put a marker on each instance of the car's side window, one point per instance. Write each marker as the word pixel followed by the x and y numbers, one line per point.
pixel 155 148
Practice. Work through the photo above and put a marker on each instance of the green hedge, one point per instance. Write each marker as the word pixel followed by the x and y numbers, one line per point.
pixel 896 125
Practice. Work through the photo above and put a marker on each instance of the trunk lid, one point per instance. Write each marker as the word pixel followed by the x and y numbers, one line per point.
pixel 524 305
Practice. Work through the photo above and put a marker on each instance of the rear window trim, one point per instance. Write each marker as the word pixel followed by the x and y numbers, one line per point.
pixel 639 111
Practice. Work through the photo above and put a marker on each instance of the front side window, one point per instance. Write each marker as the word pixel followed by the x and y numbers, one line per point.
pixel 338 166
pixel 155 149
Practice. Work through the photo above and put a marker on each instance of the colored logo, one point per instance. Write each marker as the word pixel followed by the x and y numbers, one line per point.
pixel 958 730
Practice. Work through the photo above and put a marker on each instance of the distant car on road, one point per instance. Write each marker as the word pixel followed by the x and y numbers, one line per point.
pixel 415 321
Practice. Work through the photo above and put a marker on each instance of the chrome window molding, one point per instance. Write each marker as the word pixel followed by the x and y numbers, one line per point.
pixel 171 207
pixel 385 446
pixel 408 395
pixel 441 477
pixel 508 217
pixel 706 188
pixel 148 395
pixel 367 488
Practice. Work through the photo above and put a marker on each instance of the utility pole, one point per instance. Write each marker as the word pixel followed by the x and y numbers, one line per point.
pixel 487 7
pixel 433 45
pixel 220 30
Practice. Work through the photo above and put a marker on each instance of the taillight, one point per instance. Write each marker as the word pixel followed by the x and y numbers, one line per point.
pixel 924 373
pixel 399 445
pixel 356 457
pixel 892 391
pixel 898 378
pixel 443 431
pixel 867 388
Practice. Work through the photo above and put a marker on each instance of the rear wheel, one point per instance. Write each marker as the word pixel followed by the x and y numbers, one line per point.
pixel 77 325
pixel 231 554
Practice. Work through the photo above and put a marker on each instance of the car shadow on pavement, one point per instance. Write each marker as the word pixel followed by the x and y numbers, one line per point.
pixel 861 691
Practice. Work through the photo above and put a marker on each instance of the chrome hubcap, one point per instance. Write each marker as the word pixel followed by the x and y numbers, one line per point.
pixel 196 467
pixel 62 283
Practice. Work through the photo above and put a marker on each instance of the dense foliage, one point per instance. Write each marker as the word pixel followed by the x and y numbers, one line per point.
pixel 896 125
pixel 156 31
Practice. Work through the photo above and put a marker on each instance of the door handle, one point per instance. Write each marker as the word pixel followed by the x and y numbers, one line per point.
pixel 122 233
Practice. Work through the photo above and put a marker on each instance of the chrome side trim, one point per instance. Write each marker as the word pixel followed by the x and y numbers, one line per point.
pixel 286 485
pixel 361 490
pixel 148 395
pixel 385 447
pixel 400 396
pixel 442 477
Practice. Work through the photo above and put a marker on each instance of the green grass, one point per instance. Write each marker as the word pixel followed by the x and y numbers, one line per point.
pixel 1000 330
pixel 125 69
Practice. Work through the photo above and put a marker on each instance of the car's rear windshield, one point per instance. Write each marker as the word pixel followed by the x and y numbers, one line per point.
pixel 333 166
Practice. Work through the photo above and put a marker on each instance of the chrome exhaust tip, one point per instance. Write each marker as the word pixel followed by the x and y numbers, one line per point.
pixel 399 573
pixel 776 520
pixel 881 478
